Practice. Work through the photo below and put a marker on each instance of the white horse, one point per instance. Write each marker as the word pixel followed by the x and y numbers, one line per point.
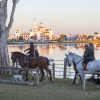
pixel 92 66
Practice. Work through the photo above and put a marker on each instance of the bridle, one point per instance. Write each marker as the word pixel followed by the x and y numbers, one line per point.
pixel 68 60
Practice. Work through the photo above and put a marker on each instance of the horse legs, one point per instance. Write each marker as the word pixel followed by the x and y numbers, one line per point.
pixel 26 76
pixel 42 71
pixel 79 74
pixel 20 71
pixel 75 77
pixel 48 70
pixel 80 78
pixel 16 65
pixel 13 64
pixel 46 76
pixel 32 75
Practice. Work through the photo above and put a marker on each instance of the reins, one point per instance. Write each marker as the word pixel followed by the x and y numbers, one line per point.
pixel 79 61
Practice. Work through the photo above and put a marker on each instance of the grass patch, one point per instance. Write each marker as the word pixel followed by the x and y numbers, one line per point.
pixel 61 89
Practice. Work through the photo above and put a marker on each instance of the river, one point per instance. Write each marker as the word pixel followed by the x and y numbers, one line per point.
pixel 56 52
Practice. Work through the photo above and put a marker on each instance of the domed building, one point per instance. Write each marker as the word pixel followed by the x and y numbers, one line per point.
pixel 41 33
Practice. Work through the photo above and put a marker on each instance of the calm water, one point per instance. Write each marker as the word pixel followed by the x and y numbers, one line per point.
pixel 56 52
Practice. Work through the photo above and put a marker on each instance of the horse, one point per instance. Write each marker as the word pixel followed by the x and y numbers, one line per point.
pixel 92 66
pixel 41 62
pixel 16 61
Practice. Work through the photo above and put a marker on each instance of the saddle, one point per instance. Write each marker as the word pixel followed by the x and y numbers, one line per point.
pixel 89 61
pixel 30 59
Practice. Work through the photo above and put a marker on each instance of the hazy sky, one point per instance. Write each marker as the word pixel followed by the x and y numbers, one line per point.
pixel 64 16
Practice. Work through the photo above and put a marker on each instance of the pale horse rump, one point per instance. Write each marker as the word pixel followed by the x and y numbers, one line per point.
pixel 92 66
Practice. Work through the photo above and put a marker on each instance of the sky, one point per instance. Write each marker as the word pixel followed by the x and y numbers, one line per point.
pixel 64 16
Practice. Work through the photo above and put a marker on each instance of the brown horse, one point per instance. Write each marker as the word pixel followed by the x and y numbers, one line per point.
pixel 41 62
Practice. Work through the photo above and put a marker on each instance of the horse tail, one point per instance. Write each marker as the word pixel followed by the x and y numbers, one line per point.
pixel 48 62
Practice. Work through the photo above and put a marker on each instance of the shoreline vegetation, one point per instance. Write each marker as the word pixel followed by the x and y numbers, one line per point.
pixel 54 42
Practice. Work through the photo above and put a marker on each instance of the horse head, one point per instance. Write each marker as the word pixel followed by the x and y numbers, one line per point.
pixel 13 58
pixel 68 59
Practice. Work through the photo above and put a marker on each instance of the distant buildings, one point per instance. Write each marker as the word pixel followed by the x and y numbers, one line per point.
pixel 40 33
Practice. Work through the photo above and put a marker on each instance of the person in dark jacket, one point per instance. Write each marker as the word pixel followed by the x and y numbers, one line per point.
pixel 88 54
pixel 31 53
pixel 36 53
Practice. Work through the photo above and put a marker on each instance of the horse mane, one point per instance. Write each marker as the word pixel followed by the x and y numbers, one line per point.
pixel 73 54
pixel 20 53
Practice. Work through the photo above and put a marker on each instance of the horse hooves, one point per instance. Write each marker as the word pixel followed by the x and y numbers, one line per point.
pixel 52 81
pixel 77 84
pixel 72 83
pixel 33 79
pixel 26 80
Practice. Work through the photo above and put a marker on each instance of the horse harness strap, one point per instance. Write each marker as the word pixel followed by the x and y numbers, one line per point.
pixel 79 61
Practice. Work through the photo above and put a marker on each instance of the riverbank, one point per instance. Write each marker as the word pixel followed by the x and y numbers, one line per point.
pixel 53 42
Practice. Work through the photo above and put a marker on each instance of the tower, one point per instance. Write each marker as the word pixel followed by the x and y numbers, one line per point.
pixel 17 33
pixel 41 25
pixel 33 32
pixel 34 26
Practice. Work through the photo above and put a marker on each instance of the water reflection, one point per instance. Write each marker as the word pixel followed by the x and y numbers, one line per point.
pixel 51 50
pixel 57 52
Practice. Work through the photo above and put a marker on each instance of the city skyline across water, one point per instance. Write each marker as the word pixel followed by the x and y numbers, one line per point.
pixel 56 52
pixel 64 16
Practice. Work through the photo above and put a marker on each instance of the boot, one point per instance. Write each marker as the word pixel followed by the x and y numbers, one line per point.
pixel 27 65
pixel 84 65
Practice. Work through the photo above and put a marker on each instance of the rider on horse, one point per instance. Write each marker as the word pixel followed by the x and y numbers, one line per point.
pixel 36 53
pixel 31 53
pixel 88 54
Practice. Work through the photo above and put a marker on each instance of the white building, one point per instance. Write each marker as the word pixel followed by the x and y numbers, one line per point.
pixel 41 32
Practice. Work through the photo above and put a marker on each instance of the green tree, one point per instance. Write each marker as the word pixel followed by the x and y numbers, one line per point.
pixel 98 38
pixel 96 33
pixel 62 36
pixel 90 37
pixel 84 37
pixel 21 38
pixel 33 37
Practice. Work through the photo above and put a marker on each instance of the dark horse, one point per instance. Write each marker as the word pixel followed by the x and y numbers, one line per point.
pixel 41 62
